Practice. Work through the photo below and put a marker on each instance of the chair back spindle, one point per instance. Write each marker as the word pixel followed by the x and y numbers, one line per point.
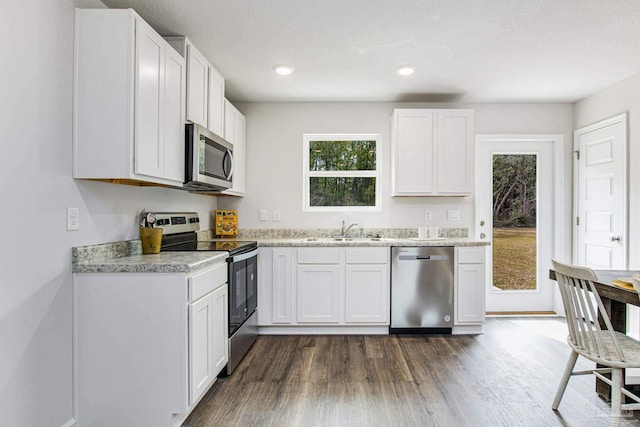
pixel 578 295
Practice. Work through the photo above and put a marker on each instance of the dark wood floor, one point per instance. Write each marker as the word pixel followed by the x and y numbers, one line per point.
pixel 506 377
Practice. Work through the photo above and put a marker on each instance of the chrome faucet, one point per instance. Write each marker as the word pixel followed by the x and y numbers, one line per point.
pixel 345 229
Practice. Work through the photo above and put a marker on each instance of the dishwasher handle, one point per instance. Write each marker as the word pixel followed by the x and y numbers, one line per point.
pixel 423 257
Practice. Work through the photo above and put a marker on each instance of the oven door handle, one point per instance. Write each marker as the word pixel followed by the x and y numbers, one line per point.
pixel 242 257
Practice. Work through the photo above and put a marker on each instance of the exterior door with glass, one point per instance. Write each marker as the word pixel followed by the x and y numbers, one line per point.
pixel 516 211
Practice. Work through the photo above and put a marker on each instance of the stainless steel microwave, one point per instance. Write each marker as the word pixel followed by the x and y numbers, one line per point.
pixel 208 160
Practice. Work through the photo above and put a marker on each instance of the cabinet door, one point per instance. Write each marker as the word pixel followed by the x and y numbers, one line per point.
pixel 201 373
pixel 470 294
pixel 174 117
pixel 282 291
pixel 220 330
pixel 229 121
pixel 149 101
pixel 239 156
pixel 413 152
pixel 197 86
pixel 318 288
pixel 216 102
pixel 234 128
pixel 454 167
pixel 367 293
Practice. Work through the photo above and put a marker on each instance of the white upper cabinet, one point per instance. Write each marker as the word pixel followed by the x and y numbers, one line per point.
pixel 197 86
pixel 205 87
pixel 128 101
pixel 215 121
pixel 175 99
pixel 234 132
pixel 432 152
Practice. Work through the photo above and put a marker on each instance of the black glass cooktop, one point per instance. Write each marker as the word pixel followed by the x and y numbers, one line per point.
pixel 189 242
pixel 233 246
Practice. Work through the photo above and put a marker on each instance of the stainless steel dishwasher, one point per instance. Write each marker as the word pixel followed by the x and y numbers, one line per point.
pixel 421 290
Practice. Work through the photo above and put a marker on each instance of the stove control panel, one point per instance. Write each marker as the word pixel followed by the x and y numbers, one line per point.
pixel 226 221
pixel 177 222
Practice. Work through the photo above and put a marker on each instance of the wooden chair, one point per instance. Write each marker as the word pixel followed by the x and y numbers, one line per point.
pixel 614 350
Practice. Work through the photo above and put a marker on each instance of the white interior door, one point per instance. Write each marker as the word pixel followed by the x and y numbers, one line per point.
pixel 600 238
pixel 533 247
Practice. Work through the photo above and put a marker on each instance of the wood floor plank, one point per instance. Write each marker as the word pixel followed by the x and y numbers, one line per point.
pixel 506 377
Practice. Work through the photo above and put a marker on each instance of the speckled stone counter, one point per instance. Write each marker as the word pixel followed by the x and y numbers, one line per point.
pixel 367 242
pixel 300 233
pixel 127 257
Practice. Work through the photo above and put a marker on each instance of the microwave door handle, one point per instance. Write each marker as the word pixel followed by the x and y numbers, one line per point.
pixel 229 174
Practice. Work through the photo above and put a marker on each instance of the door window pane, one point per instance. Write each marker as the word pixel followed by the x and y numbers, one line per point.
pixel 514 221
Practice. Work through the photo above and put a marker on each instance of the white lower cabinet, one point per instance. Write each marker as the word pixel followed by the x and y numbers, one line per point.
pixel 347 290
pixel 147 345
pixel 318 293
pixel 208 349
pixel 306 289
pixel 469 286
pixel 367 293
pixel 200 347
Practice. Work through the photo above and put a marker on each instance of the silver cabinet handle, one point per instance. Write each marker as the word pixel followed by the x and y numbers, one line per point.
pixel 616 239
pixel 481 223
pixel 483 236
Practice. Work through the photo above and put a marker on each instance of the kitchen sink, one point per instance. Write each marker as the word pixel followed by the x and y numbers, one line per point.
pixel 344 239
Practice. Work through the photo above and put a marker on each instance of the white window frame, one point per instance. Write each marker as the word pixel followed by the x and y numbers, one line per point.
pixel 308 174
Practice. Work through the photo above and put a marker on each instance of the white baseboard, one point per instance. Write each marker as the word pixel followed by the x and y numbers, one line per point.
pixel 467 330
pixel 70 423
pixel 323 330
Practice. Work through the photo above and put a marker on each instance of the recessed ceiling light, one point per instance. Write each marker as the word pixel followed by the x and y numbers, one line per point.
pixel 405 70
pixel 283 69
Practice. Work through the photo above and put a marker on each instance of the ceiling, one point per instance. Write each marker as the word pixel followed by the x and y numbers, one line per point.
pixel 463 50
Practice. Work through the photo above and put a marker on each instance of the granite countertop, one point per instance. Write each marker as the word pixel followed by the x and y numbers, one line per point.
pixel 126 256
pixel 367 242
pixel 164 262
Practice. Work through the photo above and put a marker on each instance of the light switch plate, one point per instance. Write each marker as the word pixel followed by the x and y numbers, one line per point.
pixel 453 215
pixel 263 215
pixel 276 215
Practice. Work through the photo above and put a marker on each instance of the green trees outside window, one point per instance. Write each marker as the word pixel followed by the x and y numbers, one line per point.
pixel 341 171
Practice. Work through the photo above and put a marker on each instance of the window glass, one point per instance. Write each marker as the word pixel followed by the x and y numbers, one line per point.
pixel 341 172
pixel 342 155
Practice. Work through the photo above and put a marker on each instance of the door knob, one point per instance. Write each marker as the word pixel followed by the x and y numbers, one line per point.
pixel 616 239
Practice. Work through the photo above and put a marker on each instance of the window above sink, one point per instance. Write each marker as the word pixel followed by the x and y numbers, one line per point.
pixel 341 172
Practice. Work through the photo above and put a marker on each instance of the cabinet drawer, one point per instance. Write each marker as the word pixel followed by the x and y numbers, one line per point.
pixel 319 256
pixel 202 283
pixel 367 255
pixel 470 255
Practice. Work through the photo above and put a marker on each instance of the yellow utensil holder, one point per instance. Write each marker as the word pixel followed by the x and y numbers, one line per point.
pixel 151 240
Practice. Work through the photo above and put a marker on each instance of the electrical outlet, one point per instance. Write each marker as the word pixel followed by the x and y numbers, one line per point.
pixel 263 215
pixel 73 219
pixel 276 215
pixel 428 215
pixel 453 215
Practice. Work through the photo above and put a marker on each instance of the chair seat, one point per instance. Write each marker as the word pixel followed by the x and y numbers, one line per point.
pixel 630 347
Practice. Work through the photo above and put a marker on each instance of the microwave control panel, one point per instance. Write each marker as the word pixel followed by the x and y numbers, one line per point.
pixel 226 221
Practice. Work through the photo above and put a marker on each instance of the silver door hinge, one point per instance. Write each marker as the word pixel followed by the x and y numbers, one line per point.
pixel 577 154
pixel 577 220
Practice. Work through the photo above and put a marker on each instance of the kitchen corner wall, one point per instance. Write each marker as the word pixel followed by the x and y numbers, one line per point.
pixel 36 51
pixel 274 159
pixel 621 97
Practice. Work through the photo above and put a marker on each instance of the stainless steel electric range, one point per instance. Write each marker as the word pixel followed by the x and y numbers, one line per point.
pixel 179 234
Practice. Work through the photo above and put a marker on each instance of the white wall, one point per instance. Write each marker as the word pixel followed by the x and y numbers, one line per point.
pixel 36 59
pixel 619 98
pixel 274 158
